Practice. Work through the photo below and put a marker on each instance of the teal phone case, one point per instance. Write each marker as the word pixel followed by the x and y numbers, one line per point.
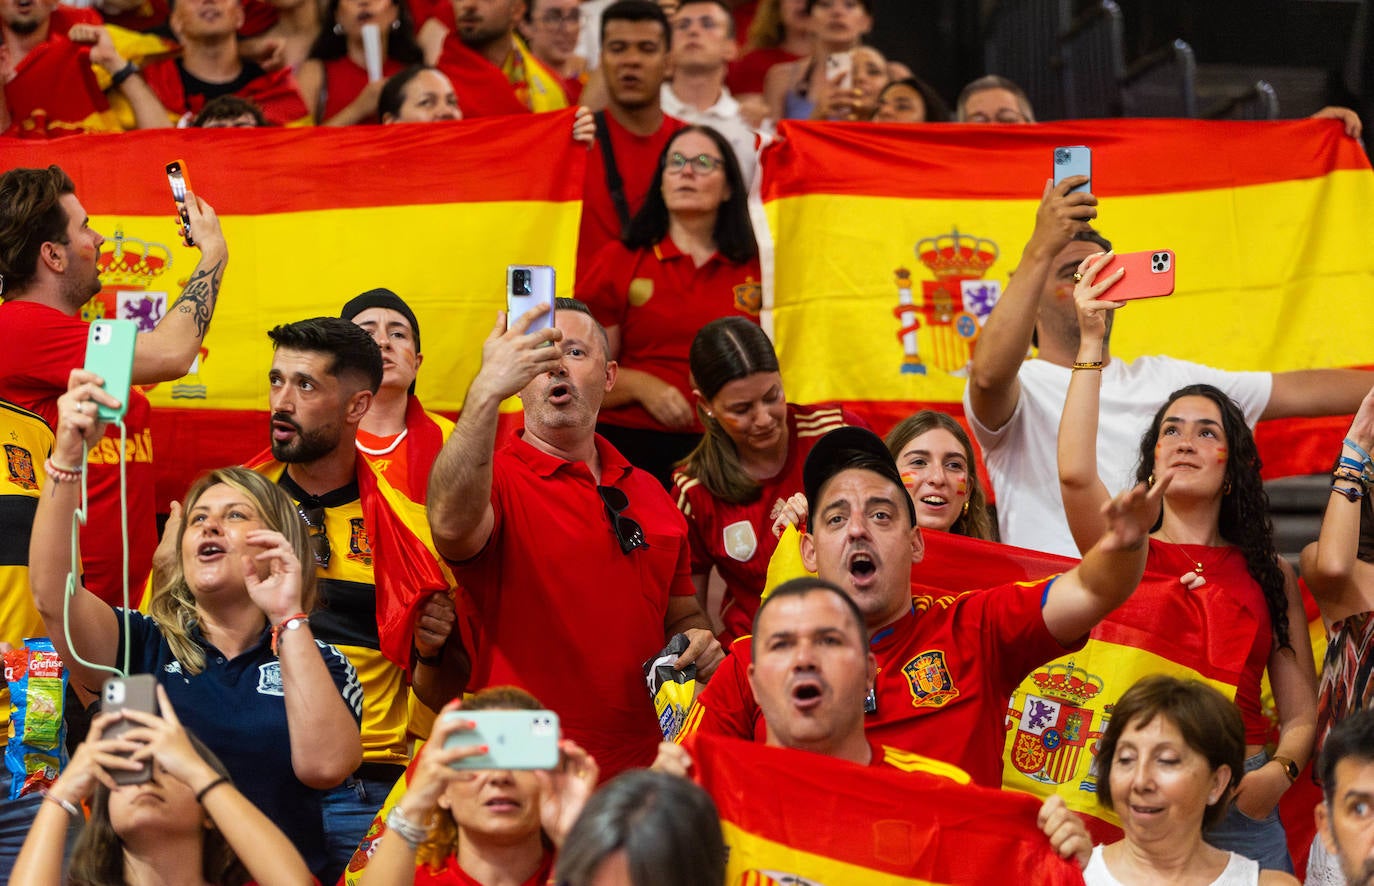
pixel 110 355
pixel 514 739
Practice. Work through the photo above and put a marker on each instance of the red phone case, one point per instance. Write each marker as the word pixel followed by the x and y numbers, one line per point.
pixel 1149 274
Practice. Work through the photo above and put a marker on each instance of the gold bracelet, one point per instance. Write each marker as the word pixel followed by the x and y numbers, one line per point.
pixel 1088 364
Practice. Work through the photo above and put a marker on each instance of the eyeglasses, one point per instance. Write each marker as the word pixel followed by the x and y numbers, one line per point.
pixel 705 22
pixel 702 164
pixel 319 541
pixel 1003 116
pixel 629 533
pixel 554 18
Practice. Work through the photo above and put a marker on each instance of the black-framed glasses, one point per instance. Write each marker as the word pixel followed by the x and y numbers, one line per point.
pixel 629 533
pixel 702 164
pixel 705 22
pixel 319 541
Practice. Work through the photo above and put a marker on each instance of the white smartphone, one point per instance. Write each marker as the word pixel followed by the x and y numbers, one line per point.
pixel 526 287
pixel 840 64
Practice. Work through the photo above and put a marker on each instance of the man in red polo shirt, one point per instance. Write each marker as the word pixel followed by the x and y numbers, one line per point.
pixel 635 39
pixel 947 665
pixel 576 563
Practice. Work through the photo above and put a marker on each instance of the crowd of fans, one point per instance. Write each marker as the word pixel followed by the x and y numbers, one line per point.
pixel 379 571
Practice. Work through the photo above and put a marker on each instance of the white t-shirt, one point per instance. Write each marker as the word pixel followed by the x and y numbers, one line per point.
pixel 724 118
pixel 1023 456
pixel 1239 871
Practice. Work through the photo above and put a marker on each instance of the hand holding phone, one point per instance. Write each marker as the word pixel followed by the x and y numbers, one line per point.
pixel 514 739
pixel 839 70
pixel 110 348
pixel 180 183
pixel 1149 274
pixel 1076 160
pixel 138 693
pixel 528 286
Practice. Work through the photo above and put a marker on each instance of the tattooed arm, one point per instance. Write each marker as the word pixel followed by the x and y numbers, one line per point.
pixel 166 353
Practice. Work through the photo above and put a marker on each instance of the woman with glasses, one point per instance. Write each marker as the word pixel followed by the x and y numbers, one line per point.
pixel 334 79
pixel 551 29
pixel 688 257
pixel 229 632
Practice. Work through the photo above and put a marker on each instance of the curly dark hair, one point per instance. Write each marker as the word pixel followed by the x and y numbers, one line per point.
pixel 1244 518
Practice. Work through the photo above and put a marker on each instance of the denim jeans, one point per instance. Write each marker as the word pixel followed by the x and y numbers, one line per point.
pixel 16 817
pixel 348 812
pixel 1263 839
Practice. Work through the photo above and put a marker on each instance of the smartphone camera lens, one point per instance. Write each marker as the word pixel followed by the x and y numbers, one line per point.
pixel 520 282
pixel 1061 156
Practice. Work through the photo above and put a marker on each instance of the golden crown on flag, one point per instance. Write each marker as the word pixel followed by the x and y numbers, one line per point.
pixel 131 262
pixel 957 255
pixel 1067 683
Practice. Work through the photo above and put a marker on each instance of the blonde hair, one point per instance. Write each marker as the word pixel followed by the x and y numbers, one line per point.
pixel 174 605
pixel 443 840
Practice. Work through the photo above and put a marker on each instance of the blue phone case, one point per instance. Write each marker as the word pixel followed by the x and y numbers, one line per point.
pixel 1075 160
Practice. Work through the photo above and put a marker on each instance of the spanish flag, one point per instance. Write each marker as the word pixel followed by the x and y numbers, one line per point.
pixel 798 817
pixel 313 217
pixel 890 244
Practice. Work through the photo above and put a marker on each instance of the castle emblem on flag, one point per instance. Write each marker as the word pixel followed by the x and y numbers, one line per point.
pixel 1056 724
pixel 929 679
pixel 359 545
pixel 944 322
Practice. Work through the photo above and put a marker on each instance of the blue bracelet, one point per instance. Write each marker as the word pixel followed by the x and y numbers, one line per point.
pixel 1349 462
pixel 1358 451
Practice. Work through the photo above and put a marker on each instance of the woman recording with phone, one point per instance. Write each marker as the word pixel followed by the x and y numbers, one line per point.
pixel 462 826
pixel 187 823
pixel 229 634
pixel 688 257
pixel 1214 532
pixel 334 80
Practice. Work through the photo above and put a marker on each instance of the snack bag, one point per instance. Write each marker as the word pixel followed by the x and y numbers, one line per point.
pixel 36 751
pixel 672 690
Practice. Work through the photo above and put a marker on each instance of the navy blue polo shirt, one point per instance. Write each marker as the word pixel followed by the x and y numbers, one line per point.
pixel 236 706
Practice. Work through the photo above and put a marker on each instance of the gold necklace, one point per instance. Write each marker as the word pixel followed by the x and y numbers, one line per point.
pixel 1197 564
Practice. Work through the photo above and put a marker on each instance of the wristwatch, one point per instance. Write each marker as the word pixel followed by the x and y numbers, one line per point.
pixel 1290 767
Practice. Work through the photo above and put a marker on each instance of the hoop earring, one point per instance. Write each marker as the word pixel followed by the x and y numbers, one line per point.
pixel 1226 488
pixel 964 512
pixel 1150 481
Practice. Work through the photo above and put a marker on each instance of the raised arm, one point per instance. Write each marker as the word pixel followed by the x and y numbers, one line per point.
pixel 1006 337
pixel 166 353
pixel 94 631
pixel 265 851
pixel 1110 571
pixel 149 112
pixel 1342 583
pixel 460 512
pixel 1081 486
pixel 325 743
pixel 1310 392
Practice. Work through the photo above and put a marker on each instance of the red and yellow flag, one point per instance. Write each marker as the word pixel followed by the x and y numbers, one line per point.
pixel 314 217
pixel 797 817
pixel 891 243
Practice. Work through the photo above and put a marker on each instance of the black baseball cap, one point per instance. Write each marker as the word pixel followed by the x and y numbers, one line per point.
pixel 383 298
pixel 843 449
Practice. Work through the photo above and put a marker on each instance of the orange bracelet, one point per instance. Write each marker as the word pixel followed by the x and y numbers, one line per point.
pixel 288 623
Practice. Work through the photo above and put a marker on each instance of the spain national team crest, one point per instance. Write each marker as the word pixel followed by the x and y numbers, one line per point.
pixel 939 328
pixel 20 464
pixel 740 541
pixel 359 545
pixel 749 297
pixel 931 684
pixel 1056 724
pixel 754 877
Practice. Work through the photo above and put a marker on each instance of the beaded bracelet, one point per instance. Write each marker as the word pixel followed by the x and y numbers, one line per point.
pixel 1088 364
pixel 60 474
